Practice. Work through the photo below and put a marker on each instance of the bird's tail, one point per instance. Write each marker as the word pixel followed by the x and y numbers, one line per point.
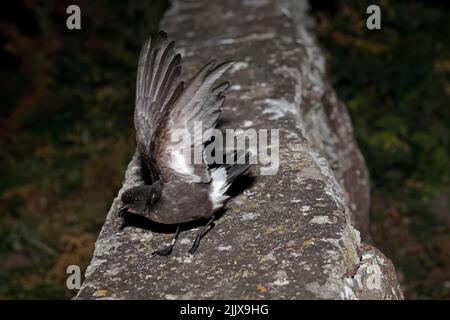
pixel 223 176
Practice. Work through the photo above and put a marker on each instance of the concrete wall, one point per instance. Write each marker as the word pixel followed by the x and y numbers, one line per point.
pixel 293 235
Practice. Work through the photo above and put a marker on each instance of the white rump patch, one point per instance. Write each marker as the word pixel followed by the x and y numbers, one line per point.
pixel 219 186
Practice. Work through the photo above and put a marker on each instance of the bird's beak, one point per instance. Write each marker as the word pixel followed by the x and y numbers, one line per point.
pixel 122 211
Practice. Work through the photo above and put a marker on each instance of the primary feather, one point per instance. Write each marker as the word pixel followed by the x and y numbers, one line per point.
pixel 164 105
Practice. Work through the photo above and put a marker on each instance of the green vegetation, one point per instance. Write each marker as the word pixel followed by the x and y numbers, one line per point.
pixel 395 82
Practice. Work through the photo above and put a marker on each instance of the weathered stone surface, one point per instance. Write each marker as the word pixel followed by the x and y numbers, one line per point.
pixel 286 236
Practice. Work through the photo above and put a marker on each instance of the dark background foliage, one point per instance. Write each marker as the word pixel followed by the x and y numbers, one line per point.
pixel 66 131
pixel 396 84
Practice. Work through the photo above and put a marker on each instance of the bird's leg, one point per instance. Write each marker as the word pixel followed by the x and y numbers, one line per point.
pixel 201 234
pixel 166 251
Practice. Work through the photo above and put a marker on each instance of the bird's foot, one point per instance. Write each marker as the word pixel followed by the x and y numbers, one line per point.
pixel 195 244
pixel 167 251
pixel 199 236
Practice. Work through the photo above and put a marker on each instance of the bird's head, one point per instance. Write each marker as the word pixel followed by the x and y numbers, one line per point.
pixel 137 199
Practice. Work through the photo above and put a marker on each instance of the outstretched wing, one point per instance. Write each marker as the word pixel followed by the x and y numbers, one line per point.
pixel 192 116
pixel 157 87
pixel 164 107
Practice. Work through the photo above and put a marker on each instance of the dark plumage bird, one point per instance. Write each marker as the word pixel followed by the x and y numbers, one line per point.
pixel 180 191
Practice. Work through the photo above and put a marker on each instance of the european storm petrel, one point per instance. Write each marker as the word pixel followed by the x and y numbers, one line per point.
pixel 181 190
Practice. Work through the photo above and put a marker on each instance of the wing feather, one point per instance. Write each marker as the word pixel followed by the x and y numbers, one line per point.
pixel 157 83
pixel 196 104
pixel 164 105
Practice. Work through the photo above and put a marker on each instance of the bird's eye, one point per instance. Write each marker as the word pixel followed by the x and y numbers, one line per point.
pixel 136 199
